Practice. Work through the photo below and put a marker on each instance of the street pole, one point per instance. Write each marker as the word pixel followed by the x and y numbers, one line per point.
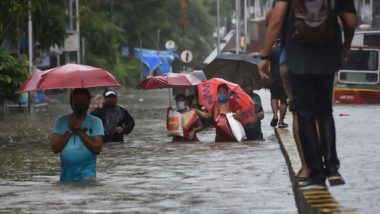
pixel 237 25
pixel 30 44
pixel 246 37
pixel 67 54
pixel 218 26
pixel 158 48
pixel 78 30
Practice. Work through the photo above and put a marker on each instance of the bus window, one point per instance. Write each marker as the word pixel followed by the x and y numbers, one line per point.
pixel 363 60
pixel 361 68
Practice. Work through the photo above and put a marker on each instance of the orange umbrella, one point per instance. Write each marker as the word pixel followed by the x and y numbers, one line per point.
pixel 208 96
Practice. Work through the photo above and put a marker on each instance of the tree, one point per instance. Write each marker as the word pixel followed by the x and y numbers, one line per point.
pixel 109 24
pixel 48 18
pixel 12 74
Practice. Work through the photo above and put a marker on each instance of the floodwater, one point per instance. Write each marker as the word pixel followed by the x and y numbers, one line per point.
pixel 358 146
pixel 147 173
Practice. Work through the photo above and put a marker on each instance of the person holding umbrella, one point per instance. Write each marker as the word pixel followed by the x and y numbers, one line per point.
pixel 78 137
pixel 222 106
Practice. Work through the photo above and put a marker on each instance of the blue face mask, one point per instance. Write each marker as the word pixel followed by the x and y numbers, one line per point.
pixel 222 97
pixel 181 105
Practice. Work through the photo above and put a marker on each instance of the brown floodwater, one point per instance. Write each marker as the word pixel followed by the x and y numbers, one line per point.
pixel 145 174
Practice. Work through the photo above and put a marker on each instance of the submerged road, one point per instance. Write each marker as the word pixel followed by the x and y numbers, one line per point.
pixel 147 173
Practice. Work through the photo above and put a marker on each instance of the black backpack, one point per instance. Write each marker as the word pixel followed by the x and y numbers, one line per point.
pixel 313 21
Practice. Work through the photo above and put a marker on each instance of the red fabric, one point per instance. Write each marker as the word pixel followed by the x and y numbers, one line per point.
pixel 185 137
pixel 223 130
pixel 208 96
pixel 69 76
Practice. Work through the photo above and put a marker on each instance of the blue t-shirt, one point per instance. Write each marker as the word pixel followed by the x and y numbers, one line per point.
pixel 77 161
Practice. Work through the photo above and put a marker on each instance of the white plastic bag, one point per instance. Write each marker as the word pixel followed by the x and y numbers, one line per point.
pixel 174 123
pixel 236 127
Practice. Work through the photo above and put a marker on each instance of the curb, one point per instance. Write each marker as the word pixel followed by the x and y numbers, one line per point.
pixel 307 201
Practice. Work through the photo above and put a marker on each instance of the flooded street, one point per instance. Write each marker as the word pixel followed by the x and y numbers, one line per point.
pixel 147 173
pixel 359 152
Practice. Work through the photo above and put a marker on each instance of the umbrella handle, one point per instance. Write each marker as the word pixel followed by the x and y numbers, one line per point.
pixel 170 98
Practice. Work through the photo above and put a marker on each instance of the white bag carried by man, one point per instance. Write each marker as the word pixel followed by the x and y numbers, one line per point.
pixel 236 127
pixel 174 123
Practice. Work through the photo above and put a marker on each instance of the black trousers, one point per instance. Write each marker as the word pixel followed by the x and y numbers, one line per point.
pixel 313 104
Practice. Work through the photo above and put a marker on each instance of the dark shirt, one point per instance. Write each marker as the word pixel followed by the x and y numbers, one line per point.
pixel 275 67
pixel 113 117
pixel 315 59
pixel 258 108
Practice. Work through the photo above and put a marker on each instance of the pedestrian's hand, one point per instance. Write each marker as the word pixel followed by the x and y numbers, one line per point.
pixel 119 130
pixel 236 116
pixel 264 69
pixel 101 102
pixel 75 123
pixel 346 53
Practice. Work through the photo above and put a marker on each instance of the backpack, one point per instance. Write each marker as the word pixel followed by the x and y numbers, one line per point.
pixel 313 21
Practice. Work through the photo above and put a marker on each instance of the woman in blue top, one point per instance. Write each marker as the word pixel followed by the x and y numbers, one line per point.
pixel 78 137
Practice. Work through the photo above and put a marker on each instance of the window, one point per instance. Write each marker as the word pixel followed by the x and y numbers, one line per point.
pixel 361 68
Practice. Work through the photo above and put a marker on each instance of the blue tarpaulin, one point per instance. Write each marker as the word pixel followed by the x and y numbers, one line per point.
pixel 155 62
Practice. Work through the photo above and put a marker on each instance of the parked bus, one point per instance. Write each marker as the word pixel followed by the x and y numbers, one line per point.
pixel 358 80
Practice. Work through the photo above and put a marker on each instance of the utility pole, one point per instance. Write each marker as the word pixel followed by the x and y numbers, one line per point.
pixel 237 25
pixel 218 26
pixel 67 54
pixel 30 44
pixel 78 30
pixel 246 37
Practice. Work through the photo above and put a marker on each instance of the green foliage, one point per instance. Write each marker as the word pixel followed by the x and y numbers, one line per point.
pixel 109 24
pixel 13 73
pixel 48 21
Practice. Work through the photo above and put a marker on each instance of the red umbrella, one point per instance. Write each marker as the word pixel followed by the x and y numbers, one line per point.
pixel 67 77
pixel 169 80
pixel 208 96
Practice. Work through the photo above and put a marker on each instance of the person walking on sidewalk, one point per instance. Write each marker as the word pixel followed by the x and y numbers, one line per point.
pixel 302 173
pixel 278 96
pixel 311 75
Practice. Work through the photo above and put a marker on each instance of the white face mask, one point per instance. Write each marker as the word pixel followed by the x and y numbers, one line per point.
pixel 181 105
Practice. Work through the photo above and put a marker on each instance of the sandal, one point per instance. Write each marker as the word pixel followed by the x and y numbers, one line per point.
pixel 282 125
pixel 299 177
pixel 273 122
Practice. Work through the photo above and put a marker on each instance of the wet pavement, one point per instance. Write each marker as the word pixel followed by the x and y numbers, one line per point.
pixel 358 138
pixel 147 173
pixel 358 147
